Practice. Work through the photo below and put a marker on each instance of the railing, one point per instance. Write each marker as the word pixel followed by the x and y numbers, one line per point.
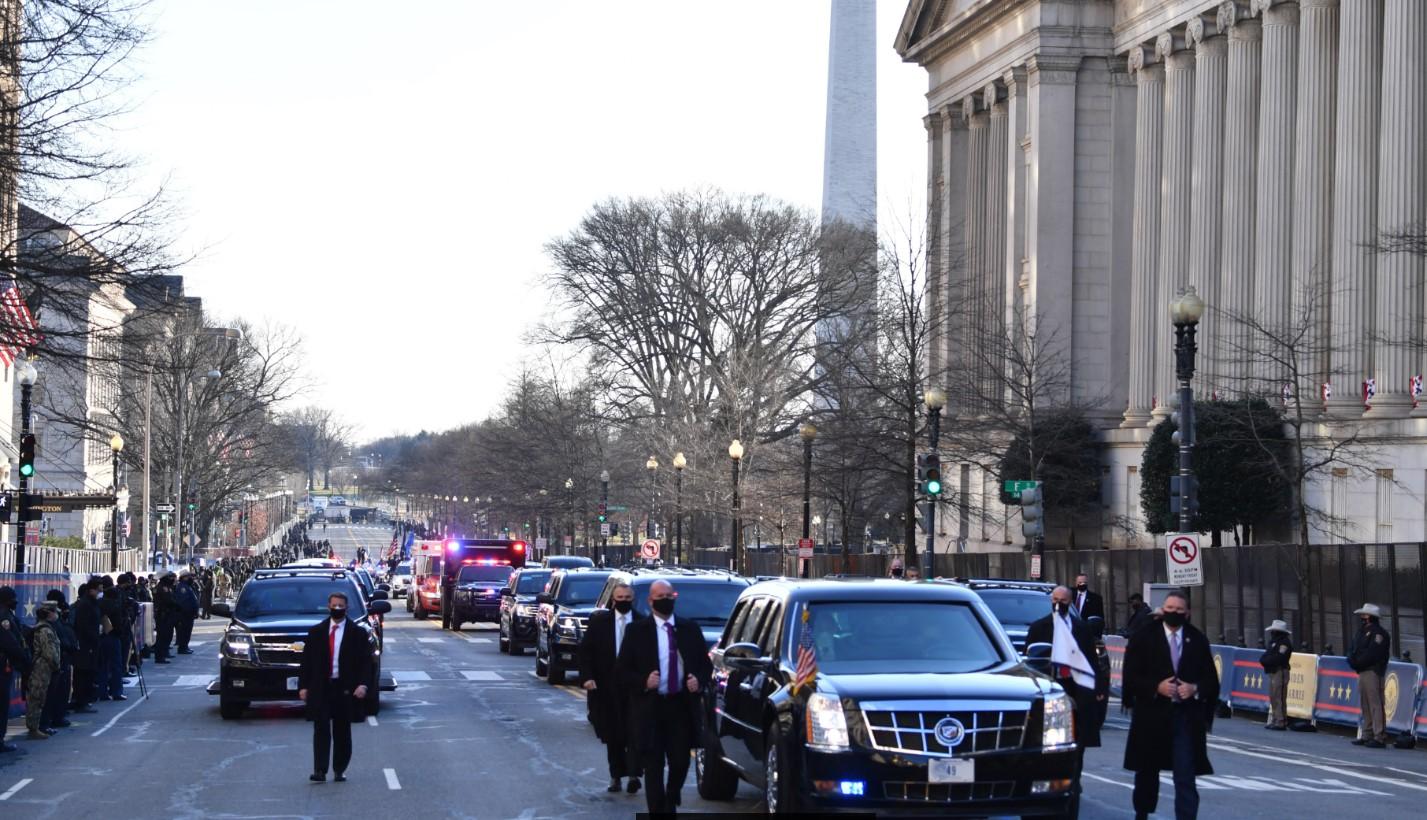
pixel 77 562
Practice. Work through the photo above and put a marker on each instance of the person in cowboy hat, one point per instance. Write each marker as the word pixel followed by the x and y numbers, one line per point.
pixel 1278 650
pixel 1368 655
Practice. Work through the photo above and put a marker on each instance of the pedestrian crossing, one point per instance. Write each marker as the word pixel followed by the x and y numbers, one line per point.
pixel 399 675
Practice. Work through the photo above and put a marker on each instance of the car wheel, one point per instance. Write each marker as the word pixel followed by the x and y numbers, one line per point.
pixel 780 791
pixel 231 709
pixel 420 612
pixel 503 643
pixel 540 668
pixel 455 625
pixel 408 604
pixel 717 780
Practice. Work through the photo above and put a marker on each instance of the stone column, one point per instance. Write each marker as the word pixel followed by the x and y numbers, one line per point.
pixel 1399 203
pixel 936 286
pixel 1273 257
pixel 1313 187
pixel 995 279
pixel 973 311
pixel 1149 144
pixel 1355 202
pixel 953 234
pixel 1175 189
pixel 1015 80
pixel 1236 261
pixel 1211 59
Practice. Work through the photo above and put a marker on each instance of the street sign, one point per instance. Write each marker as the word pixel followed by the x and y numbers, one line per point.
pixel 616 508
pixel 163 508
pixel 1183 559
pixel 805 548
pixel 191 540
pixel 1035 567
pixel 604 530
pixel 542 544
pixel 649 550
pixel 1014 488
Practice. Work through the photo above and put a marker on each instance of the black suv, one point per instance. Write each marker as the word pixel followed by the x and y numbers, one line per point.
pixel 705 597
pixel 517 608
pixel 1016 604
pixel 920 705
pixel 562 612
pixel 475 595
pixel 260 656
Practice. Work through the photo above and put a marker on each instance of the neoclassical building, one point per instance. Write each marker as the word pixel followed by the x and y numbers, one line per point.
pixel 1088 159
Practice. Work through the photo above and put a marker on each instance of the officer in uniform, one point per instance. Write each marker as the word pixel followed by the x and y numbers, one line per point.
pixel 14 657
pixel 1368 655
pixel 1277 652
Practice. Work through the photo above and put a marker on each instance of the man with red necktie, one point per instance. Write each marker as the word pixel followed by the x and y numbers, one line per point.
pixel 336 664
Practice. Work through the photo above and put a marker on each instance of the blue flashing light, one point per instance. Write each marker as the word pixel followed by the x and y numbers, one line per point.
pixel 851 788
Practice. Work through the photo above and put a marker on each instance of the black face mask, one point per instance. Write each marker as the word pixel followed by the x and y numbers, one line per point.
pixel 663 606
pixel 1060 609
pixel 623 606
pixel 337 613
pixel 1081 587
pixel 897 572
pixel 1176 619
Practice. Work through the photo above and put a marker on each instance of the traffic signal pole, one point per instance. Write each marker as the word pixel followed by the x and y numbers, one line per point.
pixel 933 462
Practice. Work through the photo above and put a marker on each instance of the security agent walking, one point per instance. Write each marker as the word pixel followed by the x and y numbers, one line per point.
pixel 1169 673
pixel 336 665
pixel 664 664
pixel 1277 654
pixel 609 702
pixel 1087 604
pixel 1073 665
pixel 1368 655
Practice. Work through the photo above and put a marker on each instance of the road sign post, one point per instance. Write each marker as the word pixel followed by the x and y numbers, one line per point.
pixel 1183 560
pixel 649 550
pixel 805 548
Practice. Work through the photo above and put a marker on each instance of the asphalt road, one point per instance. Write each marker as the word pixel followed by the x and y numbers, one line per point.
pixel 472 733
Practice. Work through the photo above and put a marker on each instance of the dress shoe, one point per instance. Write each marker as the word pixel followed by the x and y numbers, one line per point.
pixel 37 735
pixel 1274 728
pixel 185 651
pixel 163 661
pixel 317 778
pixel 119 697
pixel 1362 741
pixel 614 786
pixel 63 724
pixel 339 778
pixel 633 785
pixel 9 747
pixel 1374 744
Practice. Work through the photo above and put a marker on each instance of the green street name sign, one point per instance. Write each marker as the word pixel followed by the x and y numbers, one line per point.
pixel 1014 488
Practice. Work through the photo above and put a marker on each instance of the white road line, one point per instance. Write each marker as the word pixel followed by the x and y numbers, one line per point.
pixel 1383 781
pixel 9 793
pixel 193 680
pixel 402 675
pixel 431 640
pixel 106 727
pixel 371 720
pixel 391 781
pixel 480 674
pixel 1107 780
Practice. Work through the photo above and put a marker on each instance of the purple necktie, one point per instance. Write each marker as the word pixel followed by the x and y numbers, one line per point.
pixel 1174 651
pixel 673 660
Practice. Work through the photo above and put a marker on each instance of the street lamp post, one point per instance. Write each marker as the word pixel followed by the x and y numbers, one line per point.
pixel 735 453
pixel 679 464
pixel 570 505
pixel 26 373
pixel 116 446
pixel 1185 312
pixel 604 525
pixel 935 400
pixel 808 432
pixel 652 465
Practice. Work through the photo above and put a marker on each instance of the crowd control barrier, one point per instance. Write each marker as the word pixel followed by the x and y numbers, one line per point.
pixel 1115 648
pixel 30 589
pixel 1422 710
pixel 1337 700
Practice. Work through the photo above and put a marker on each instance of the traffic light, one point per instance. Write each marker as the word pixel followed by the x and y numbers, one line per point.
pixel 27 455
pixel 604 512
pixel 614 528
pixel 1032 512
pixel 931 477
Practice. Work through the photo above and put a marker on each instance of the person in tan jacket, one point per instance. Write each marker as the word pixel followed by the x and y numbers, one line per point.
pixel 44 665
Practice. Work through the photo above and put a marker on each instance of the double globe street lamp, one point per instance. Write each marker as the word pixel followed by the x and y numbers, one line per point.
pixel 1185 312
pixel 116 446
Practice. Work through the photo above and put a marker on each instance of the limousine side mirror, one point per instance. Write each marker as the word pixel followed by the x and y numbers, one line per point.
pixel 747 657
pixel 1038 657
pixel 379 607
pixel 221 610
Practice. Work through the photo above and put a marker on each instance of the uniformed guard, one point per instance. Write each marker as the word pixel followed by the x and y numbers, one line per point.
pixel 1277 653
pixel 46 663
pixel 1368 656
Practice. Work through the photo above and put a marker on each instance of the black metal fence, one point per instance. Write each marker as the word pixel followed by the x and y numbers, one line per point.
pixel 1247 587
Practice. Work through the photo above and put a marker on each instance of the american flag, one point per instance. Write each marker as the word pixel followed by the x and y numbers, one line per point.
pixel 1369 391
pixel 807 669
pixel 1414 386
pixel 1327 390
pixel 18 329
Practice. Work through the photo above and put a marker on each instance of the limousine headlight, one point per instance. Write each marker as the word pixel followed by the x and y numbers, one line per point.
pixel 827 725
pixel 1058 726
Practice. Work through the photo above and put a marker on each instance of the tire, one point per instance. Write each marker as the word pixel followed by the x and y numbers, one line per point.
pixel 419 611
pixel 554 672
pixel 717 780
pixel 540 668
pixel 503 643
pixel 409 607
pixel 231 709
pixel 780 790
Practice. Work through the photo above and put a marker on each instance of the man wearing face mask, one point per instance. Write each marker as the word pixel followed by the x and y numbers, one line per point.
pixel 1086 604
pixel 1169 672
pixel 336 665
pixel 609 702
pixel 1368 655
pixel 1277 654
pixel 664 664
pixel 1073 664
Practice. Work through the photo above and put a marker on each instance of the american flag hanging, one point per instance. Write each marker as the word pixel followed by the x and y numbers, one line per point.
pixel 1369 391
pixel 1327 390
pixel 807 669
pixel 1414 386
pixel 18 329
pixel 1287 392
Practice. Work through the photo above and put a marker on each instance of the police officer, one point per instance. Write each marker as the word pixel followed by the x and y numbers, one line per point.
pixel 14 657
pixel 1277 652
pixel 1368 655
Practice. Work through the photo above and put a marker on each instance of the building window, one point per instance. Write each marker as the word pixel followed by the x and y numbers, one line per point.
pixel 1384 506
pixel 1338 505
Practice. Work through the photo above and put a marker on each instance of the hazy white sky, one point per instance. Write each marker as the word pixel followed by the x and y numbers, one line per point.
pixel 383 175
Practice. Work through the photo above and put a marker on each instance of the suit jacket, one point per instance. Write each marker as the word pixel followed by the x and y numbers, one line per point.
pixel 86 631
pixel 1147 662
pixel 354 666
pixel 1087 709
pixel 1094 604
pixel 639 655
pixel 597 662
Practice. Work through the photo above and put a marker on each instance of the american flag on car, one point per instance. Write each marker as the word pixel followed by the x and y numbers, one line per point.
pixel 807 669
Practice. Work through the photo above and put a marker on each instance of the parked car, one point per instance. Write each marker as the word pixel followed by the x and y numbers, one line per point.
pixel 919 705
pixel 562 611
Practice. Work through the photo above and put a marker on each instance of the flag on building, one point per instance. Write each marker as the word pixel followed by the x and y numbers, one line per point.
pixel 1287 392
pixel 1327 391
pixel 1414 387
pixel 807 669
pixel 18 329
pixel 1369 391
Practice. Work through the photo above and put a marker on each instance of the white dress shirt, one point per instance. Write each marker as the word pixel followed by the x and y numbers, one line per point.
pixel 336 642
pixel 662 635
pixel 620 622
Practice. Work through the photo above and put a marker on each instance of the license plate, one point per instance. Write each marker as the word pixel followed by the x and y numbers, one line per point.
pixel 292 686
pixel 951 771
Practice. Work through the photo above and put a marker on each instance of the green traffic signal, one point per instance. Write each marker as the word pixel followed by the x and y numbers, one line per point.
pixel 933 486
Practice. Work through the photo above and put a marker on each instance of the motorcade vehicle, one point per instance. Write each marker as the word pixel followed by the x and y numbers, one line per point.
pixel 705 596
pixel 318 563
pixel 917 703
pixel 400 580
pixel 472 574
pixel 1016 604
pixel 260 654
pixel 562 611
pixel 426 561
pixel 568 561
pixel 518 608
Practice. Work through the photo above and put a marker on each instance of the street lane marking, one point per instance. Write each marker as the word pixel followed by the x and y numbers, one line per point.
pixel 371 720
pixel 1229 782
pixel 1382 781
pixel 410 676
pixel 1107 780
pixel 480 674
pixel 431 640
pixel 391 781
pixel 193 680
pixel 106 727
pixel 9 793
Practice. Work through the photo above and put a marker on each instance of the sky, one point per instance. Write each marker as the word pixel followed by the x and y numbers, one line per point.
pixel 384 176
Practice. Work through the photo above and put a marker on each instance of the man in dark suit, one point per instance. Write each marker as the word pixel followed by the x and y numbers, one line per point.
pixel 1169 672
pixel 609 702
pixel 664 665
pixel 336 665
pixel 1073 666
pixel 1086 604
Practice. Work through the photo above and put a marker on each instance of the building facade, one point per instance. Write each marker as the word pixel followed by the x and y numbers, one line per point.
pixel 1089 159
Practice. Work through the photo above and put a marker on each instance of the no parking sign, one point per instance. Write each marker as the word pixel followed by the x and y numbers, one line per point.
pixel 1182 560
